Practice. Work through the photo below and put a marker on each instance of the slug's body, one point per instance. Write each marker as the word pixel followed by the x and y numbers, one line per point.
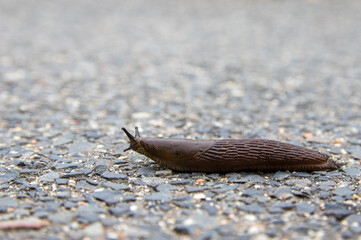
pixel 229 155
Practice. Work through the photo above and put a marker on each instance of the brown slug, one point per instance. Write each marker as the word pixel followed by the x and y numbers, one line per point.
pixel 228 155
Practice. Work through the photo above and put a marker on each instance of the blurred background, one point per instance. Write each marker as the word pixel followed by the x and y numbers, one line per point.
pixel 244 67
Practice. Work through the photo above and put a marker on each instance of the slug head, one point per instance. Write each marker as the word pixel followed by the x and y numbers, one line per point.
pixel 135 142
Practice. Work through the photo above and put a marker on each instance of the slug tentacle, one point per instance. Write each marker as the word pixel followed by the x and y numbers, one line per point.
pixel 132 139
pixel 229 155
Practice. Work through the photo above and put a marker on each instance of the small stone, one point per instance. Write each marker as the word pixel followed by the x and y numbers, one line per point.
pixel 355 229
pixel 251 209
pixel 303 208
pixel 165 188
pixel 146 171
pixel 63 194
pixel 161 197
pixel 107 196
pixel 65 139
pixel 165 172
pixel 184 204
pixel 116 186
pixel 182 198
pixel 60 166
pixel 252 193
pixel 119 211
pixel 274 210
pixel 343 192
pixel 84 185
pixel 352 172
pixel 74 173
pixel 100 164
pixel 92 182
pixel 355 151
pixel 95 230
pixel 347 234
pixel 182 182
pixel 225 189
pixel 301 174
pixel 284 205
pixel 7 177
pixel 113 176
pixel 338 213
pixel 302 194
pixel 192 189
pixel 356 218
pixel 139 182
pixel 185 229
pixel 326 186
pixel 65 217
pixel 253 179
pixel 129 199
pixel 282 193
pixel 8 202
pixel 262 199
pixel 68 205
pixel 49 177
pixel 26 223
pixel 61 181
pixel 324 195
pixel 199 196
pixel 299 182
pixel 81 147
pixel 281 175
pixel 212 210
pixel 87 217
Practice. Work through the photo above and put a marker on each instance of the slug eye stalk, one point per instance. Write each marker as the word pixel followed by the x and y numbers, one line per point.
pixel 132 139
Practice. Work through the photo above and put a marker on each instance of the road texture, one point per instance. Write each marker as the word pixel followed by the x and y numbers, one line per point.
pixel 72 73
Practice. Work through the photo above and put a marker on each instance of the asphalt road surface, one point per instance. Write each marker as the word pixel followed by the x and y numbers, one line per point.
pixel 72 73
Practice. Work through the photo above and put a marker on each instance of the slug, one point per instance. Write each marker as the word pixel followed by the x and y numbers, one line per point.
pixel 228 155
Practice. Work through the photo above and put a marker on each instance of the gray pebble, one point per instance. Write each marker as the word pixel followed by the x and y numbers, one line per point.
pixel 252 193
pixel 182 182
pixel 253 179
pixel 355 218
pixel 49 177
pixel 282 193
pixel 119 211
pixel 146 171
pixel 63 194
pixel 303 208
pixel 165 188
pixel 108 196
pixel 192 189
pixel 343 192
pixel 185 229
pixel 64 217
pixel 8 202
pixel 338 213
pixel 225 189
pixel 161 197
pixel 347 234
pixel 85 185
pixel 281 175
pixel 256 209
pixel 116 186
pixel 352 172
pixel 184 204
pixel 212 210
pixel 355 151
pixel 113 176
pixel 81 147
